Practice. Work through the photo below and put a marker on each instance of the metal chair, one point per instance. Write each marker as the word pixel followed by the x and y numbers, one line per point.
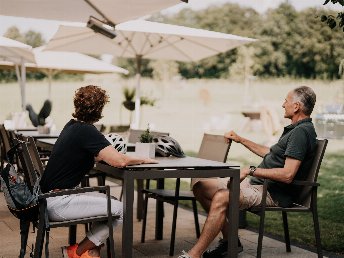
pixel 5 144
pixel 307 202
pixel 32 173
pixel 213 147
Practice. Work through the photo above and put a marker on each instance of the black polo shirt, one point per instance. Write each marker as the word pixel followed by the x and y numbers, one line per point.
pixel 298 141
pixel 72 156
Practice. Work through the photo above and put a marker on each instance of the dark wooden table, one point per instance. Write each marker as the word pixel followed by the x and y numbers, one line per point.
pixel 46 143
pixel 172 167
pixel 36 135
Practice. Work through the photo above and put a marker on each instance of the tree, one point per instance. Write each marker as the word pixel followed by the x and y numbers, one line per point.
pixel 228 18
pixel 34 38
pixel 14 33
pixel 330 19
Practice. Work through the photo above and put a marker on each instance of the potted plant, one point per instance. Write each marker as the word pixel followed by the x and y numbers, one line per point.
pixel 129 102
pixel 146 147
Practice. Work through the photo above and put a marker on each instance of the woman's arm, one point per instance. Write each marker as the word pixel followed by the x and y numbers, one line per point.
pixel 114 158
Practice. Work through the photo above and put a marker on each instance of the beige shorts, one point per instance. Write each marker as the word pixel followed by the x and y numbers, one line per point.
pixel 250 195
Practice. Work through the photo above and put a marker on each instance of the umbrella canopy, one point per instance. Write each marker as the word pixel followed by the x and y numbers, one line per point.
pixel 15 51
pixel 19 54
pixel 77 62
pixel 144 39
pixel 112 11
pixel 53 62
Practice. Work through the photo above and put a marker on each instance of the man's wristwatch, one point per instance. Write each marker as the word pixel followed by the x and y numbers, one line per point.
pixel 252 170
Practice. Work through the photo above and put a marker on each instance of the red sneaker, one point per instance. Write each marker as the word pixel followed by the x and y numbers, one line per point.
pixel 70 251
pixel 87 255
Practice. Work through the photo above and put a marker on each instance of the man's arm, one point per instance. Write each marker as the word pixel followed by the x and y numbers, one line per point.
pixel 114 158
pixel 258 149
pixel 284 175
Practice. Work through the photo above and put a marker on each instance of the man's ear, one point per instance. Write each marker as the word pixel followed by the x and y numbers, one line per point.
pixel 297 107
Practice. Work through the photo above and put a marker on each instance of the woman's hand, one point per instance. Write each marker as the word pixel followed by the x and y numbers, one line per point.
pixel 150 161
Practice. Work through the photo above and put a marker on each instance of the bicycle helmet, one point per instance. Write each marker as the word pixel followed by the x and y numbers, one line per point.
pixel 117 142
pixel 166 146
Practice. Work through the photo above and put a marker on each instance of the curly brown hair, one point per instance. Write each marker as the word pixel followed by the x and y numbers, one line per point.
pixel 89 102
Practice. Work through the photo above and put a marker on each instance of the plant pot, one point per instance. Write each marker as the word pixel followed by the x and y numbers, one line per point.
pixel 145 150
pixel 130 105
pixel 42 129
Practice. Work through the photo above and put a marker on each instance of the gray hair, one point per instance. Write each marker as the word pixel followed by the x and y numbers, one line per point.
pixel 306 97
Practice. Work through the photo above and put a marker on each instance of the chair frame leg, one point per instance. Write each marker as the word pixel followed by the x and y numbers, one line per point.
pixel 40 237
pixel 144 220
pixel 316 223
pixel 261 234
pixel 24 233
pixel 286 231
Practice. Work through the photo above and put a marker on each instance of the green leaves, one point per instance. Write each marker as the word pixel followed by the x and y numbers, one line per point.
pixel 330 19
pixel 146 137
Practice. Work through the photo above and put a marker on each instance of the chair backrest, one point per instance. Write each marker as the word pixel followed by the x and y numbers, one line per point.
pixel 305 194
pixel 214 147
pixel 134 135
pixel 5 138
pixel 30 173
pixel 34 154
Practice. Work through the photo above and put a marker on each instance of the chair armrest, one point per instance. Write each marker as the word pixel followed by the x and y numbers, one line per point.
pixel 75 191
pixel 305 183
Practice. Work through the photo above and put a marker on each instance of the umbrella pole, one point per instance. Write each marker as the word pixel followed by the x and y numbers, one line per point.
pixel 23 87
pixel 136 123
pixel 49 84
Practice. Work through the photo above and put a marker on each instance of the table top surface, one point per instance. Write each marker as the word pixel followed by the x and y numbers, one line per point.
pixel 170 162
pixel 187 162
pixel 36 134
pixel 51 141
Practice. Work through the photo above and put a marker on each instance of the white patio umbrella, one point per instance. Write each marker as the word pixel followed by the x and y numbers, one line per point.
pixel 18 53
pixel 144 39
pixel 53 62
pixel 111 11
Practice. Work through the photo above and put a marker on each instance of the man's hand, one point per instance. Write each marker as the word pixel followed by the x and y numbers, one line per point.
pixel 150 161
pixel 244 172
pixel 233 136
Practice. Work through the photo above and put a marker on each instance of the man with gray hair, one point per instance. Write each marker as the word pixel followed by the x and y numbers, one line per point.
pixel 290 158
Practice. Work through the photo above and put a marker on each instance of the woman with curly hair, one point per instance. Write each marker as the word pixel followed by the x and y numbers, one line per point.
pixel 79 145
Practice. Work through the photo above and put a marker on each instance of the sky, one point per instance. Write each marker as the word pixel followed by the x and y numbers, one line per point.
pixel 48 28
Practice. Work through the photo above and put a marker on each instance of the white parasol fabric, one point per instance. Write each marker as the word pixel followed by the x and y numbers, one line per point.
pixel 144 39
pixel 113 11
pixel 19 54
pixel 53 62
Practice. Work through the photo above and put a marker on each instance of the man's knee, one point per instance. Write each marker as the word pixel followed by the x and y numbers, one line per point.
pixel 221 198
pixel 204 189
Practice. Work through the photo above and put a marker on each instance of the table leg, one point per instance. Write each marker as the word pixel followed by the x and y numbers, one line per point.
pixel 72 235
pixel 127 231
pixel 159 211
pixel 233 216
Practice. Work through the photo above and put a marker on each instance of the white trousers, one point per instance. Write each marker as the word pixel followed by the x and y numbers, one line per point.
pixel 83 205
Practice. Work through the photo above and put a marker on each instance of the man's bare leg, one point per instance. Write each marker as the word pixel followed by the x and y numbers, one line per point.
pixel 204 192
pixel 214 223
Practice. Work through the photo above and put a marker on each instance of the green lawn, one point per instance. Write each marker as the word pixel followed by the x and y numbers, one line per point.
pixel 330 209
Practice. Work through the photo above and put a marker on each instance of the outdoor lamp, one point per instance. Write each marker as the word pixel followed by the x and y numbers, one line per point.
pixel 100 27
